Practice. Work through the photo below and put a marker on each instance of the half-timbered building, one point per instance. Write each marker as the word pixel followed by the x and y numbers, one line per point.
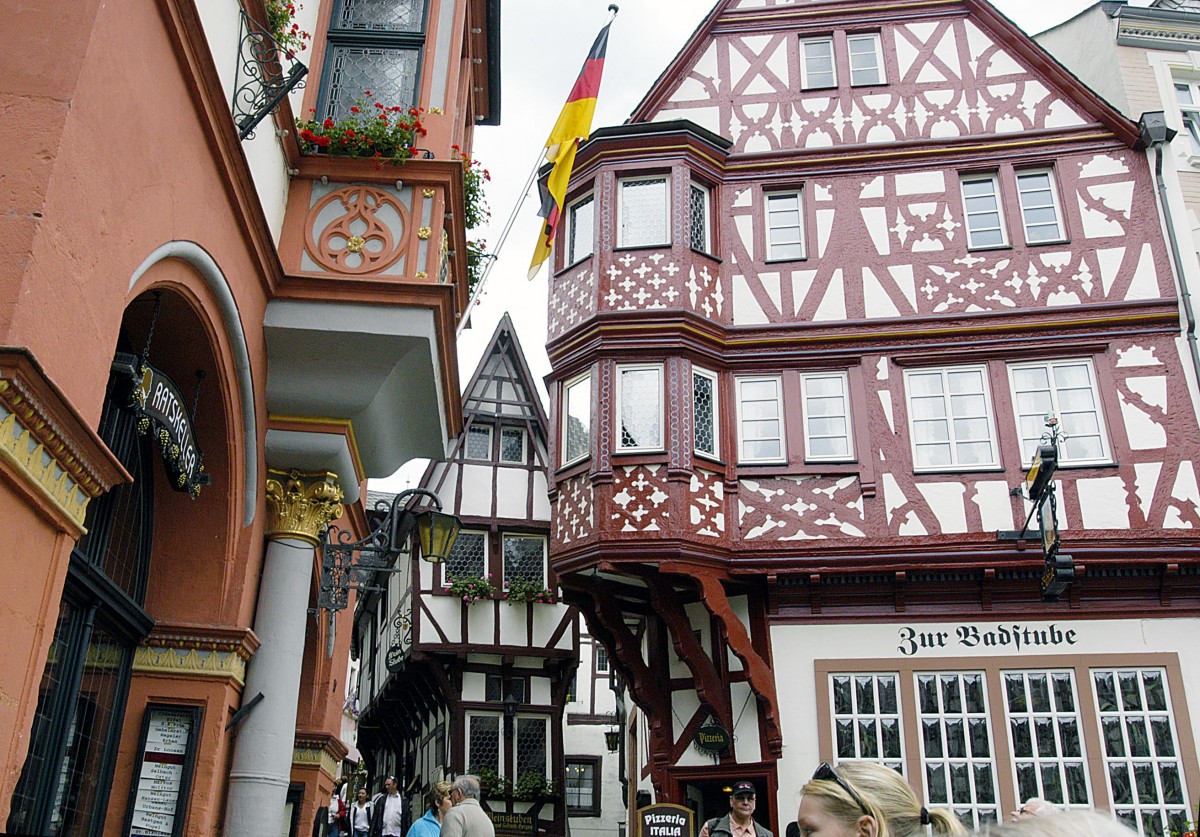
pixel 810 310
pixel 468 665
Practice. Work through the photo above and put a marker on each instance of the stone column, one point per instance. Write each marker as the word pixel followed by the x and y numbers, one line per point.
pixel 299 506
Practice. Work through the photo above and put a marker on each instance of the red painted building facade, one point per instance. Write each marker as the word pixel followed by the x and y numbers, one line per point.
pixel 810 308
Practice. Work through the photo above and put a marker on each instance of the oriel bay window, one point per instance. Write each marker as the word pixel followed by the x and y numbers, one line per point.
pixel 376 46
pixel 705 421
pixel 640 407
pixel 699 223
pixel 644 208
pixel 581 229
pixel 577 419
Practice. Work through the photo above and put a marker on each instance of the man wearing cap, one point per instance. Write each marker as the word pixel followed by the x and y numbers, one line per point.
pixel 739 822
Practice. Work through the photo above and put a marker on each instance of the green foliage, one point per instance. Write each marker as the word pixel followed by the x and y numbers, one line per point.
pixel 490 782
pixel 472 590
pixel 377 131
pixel 531 785
pixel 520 590
pixel 281 21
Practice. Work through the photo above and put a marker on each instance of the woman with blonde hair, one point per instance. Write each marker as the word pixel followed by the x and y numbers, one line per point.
pixel 864 799
pixel 1064 824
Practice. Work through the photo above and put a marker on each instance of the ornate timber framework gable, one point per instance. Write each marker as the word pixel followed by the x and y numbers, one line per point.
pixel 684 551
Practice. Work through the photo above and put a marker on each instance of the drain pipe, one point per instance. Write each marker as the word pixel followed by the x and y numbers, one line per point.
pixel 1156 134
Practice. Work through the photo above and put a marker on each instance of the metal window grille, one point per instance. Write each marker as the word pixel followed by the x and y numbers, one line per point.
pixel 479 442
pixel 1141 749
pixel 525 558
pixel 1067 389
pixel 704 413
pixel 866 718
pixel 981 203
pixel 580 787
pixel 785 226
pixel 512 445
pixel 531 746
pixel 866 60
pixel 577 430
pixel 582 225
pixel 1039 210
pixel 826 416
pixel 698 218
pixel 641 408
pixel 951 418
pixel 483 744
pixel 817 64
pixel 956 745
pixel 644 212
pixel 1046 737
pixel 468 557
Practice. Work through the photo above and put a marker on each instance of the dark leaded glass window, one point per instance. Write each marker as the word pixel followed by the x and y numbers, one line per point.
pixel 698 219
pixel 512 445
pixel 468 558
pixel 525 558
pixel 531 746
pixel 704 412
pixel 374 45
pixel 483 744
pixel 479 442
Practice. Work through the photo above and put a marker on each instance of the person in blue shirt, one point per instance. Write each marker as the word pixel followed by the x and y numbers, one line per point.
pixel 430 825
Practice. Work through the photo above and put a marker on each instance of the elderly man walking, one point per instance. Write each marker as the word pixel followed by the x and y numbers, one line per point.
pixel 467 818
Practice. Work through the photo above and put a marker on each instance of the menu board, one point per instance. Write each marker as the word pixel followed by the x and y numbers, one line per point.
pixel 164 771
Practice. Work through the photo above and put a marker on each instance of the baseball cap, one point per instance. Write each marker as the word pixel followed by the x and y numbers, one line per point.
pixel 742 787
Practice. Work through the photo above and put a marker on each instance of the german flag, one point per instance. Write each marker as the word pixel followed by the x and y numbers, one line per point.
pixel 573 126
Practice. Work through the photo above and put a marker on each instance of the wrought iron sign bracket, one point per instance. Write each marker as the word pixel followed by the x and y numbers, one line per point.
pixel 260 82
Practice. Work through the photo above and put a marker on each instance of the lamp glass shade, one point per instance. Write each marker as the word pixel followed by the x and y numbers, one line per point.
pixel 612 740
pixel 436 532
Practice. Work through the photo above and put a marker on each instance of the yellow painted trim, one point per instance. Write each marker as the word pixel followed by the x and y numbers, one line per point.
pixel 336 422
pixel 190 662
pixel 318 757
pixel 21 449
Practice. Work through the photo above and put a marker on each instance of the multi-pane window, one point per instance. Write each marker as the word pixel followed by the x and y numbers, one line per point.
pixel 816 63
pixel 581 229
pixel 1065 389
pixel 785 226
pixel 374 45
pixel 483 744
pixel 640 407
pixel 956 745
pixel 950 418
pixel 495 691
pixel 531 746
pixel 704 412
pixel 582 787
pixel 1039 207
pixel 525 558
pixel 866 59
pixel 512 445
pixel 601 658
pixel 826 401
pixel 981 205
pixel 1141 749
pixel 1187 93
pixel 468 556
pixel 577 419
pixel 645 212
pixel 866 719
pixel 479 442
pixel 1046 736
pixel 698 220
pixel 760 419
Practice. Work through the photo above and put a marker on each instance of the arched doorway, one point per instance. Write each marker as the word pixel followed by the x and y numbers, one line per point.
pixel 63 789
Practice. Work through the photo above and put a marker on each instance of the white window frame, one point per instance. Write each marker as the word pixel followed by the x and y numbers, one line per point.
pixel 716 413
pixel 573 254
pixel 778 381
pixel 578 383
pixel 798 194
pixel 1188 114
pixel 620 396
pixel 994 179
pixel 874 38
pixel 475 428
pixel 515 536
pixel 1059 220
pixel 524 446
pixel 850 455
pixel 705 193
pixel 1063 459
pixel 875 718
pixel 665 179
pixel 950 417
pixel 805 82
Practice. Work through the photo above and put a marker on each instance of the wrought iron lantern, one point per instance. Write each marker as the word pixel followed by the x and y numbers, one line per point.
pixel 350 565
pixel 612 739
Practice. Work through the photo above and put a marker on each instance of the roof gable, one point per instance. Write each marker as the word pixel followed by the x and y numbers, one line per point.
pixel 954 68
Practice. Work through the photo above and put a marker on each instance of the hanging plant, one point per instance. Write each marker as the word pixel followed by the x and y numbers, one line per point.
pixel 532 785
pixel 377 131
pixel 522 591
pixel 471 590
pixel 490 782
pixel 281 20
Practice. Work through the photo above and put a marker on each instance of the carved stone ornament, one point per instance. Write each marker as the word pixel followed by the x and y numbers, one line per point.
pixel 365 237
pixel 423 233
pixel 429 193
pixel 301 505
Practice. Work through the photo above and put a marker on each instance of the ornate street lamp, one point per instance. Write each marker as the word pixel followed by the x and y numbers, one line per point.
pixel 349 565
pixel 612 736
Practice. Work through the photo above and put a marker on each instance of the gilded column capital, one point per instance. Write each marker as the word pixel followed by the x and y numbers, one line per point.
pixel 300 505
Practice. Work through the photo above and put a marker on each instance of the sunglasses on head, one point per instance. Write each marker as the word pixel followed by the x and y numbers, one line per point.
pixel 826 773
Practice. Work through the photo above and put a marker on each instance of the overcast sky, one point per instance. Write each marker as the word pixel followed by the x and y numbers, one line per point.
pixel 543 45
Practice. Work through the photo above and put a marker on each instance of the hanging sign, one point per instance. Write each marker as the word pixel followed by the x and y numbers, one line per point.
pixel 394 659
pixel 161 412
pixel 517 824
pixel 164 771
pixel 664 820
pixel 713 739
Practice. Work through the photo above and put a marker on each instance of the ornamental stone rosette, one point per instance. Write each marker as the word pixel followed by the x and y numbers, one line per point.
pixel 300 505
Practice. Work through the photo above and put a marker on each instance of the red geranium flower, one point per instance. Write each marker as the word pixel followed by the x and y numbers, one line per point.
pixel 323 142
pixel 366 92
pixel 328 123
pixel 354 109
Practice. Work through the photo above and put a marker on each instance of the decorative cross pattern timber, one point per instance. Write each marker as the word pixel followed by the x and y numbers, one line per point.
pixel 260 83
